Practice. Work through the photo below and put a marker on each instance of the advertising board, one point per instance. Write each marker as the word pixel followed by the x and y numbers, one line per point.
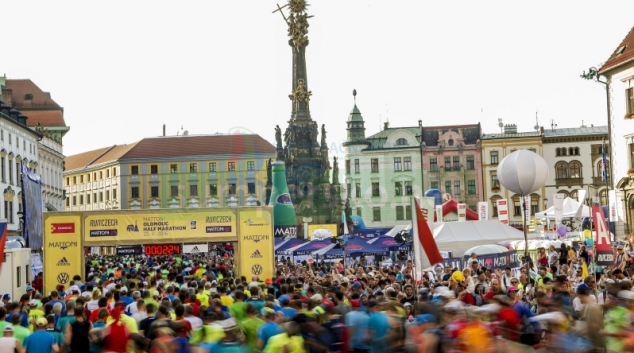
pixel 321 231
pixel 63 252
pixel 256 243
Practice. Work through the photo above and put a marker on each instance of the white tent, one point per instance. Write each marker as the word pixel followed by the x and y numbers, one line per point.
pixel 570 210
pixel 486 250
pixel 392 232
pixel 460 236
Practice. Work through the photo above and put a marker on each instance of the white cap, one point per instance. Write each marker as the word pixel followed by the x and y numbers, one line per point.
pixel 214 282
pixel 317 298
pixel 124 290
pixel 33 302
pixel 73 288
pixel 626 294
pixel 155 294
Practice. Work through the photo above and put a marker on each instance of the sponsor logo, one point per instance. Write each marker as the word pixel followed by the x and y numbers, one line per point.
pixel 388 242
pixel 104 233
pixel 284 199
pixel 63 262
pixel 256 238
pixel 251 223
pixel 285 231
pixel 63 278
pixel 192 225
pixel 126 251
pixel 104 222
pixel 605 257
pixel 488 262
pixel 132 227
pixel 354 247
pixel 256 255
pixel 256 269
pixel 62 245
pixel 318 245
pixel 217 229
pixel 195 249
pixel 218 219
pixel 57 228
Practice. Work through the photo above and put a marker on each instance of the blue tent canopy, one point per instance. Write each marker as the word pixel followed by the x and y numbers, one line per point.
pixel 362 248
pixel 281 248
pixel 389 243
pixel 310 247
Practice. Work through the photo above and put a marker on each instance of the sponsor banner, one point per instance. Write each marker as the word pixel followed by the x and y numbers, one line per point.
pixel 321 231
pixel 256 242
pixel 439 213
pixel 527 207
pixel 503 211
pixel 130 250
pixel 483 211
pixel 160 226
pixel 32 207
pixel 462 212
pixel 36 265
pixel 496 261
pixel 605 256
pixel 453 262
pixel 195 248
pixel 559 207
pixel 63 250
pixel 285 231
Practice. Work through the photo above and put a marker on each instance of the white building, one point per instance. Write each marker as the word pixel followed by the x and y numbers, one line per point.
pixel 619 73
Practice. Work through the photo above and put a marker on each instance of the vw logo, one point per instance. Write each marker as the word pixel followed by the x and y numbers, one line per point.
pixel 63 278
pixel 256 269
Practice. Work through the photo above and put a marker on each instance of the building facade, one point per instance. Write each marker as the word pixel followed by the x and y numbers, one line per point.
pixel 495 147
pixel 47 118
pixel 452 162
pixel 618 71
pixel 574 158
pixel 171 172
pixel 18 143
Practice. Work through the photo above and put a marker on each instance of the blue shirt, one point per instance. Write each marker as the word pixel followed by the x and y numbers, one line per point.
pixel 267 331
pixel 380 324
pixel 127 300
pixel 24 319
pixel 288 312
pixel 359 320
pixel 53 302
pixel 39 342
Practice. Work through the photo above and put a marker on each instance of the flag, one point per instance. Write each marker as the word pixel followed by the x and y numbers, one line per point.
pixel 3 239
pixel 604 173
pixel 424 239
pixel 584 269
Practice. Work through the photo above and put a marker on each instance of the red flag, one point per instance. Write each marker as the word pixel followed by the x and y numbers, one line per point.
pixel 3 239
pixel 426 239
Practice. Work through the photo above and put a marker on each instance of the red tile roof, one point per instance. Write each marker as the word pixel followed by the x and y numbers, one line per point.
pixel 46 118
pixel 21 88
pixel 626 55
pixel 180 146
pixel 82 159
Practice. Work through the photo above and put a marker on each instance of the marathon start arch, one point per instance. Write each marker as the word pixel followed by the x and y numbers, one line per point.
pixel 67 233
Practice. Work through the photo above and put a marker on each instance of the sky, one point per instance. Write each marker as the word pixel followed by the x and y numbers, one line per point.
pixel 122 69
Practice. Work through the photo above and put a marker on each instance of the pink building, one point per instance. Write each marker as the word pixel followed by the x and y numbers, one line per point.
pixel 452 162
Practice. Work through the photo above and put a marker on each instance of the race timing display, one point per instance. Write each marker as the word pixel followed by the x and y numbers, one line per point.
pixel 163 249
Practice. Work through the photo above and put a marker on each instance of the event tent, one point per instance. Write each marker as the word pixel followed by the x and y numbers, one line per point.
pixel 460 236
pixel 283 247
pixel 308 248
pixel 569 211
pixel 486 250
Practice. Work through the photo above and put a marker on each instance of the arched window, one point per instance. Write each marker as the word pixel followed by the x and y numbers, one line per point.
pixel 575 170
pixel 577 151
pixel 450 142
pixel 494 205
pixel 603 197
pixel 563 151
pixel 574 195
pixel 563 192
pixel 562 171
pixel 571 151
pixel 557 152
pixel 401 142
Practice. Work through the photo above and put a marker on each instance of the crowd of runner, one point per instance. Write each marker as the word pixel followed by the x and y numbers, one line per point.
pixel 196 303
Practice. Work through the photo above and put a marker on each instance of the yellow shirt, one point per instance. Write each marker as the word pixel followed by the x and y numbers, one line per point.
pixel 203 298
pixel 226 300
pixel 129 323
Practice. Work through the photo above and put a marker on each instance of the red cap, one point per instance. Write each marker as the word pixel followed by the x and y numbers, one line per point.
pixel 489 295
pixel 267 280
pixel 328 302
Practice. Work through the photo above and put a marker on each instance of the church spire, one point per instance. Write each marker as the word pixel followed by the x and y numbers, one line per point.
pixel 356 126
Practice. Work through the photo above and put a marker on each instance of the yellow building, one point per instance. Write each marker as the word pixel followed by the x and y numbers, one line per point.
pixel 495 147
pixel 170 172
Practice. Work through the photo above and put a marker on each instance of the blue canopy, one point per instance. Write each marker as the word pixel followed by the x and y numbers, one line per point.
pixel 310 247
pixel 281 248
pixel 329 253
pixel 278 241
pixel 387 242
pixel 358 246
pixel 372 231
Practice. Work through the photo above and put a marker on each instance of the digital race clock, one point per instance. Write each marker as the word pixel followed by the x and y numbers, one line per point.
pixel 163 249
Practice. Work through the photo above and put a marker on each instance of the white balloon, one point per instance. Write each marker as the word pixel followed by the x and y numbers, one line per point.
pixel 523 172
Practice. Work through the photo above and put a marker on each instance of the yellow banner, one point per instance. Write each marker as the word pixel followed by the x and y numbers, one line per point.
pixel 321 231
pixel 63 250
pixel 158 226
pixel 256 243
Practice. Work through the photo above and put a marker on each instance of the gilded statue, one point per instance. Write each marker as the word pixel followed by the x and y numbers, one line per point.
pixel 300 94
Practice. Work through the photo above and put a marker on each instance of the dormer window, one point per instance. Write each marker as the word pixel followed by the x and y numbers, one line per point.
pixel 450 142
pixel 401 142
pixel 28 97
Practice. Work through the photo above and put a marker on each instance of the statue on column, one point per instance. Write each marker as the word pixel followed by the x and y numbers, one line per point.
pixel 335 172
pixel 323 135
pixel 278 136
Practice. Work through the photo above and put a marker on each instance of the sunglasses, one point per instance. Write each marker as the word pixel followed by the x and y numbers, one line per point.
pixel 620 249
pixel 513 281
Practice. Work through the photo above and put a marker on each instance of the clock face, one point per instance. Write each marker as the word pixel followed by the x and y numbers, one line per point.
pixel 163 249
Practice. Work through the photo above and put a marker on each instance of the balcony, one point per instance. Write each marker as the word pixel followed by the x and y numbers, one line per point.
pixel 598 180
pixel 568 182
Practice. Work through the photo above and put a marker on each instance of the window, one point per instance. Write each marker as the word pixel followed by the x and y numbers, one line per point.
pixel 250 165
pixel 349 190
pixel 375 189
pixel 251 188
pixel 399 213
pixel 88 199
pixel 10 139
pixel 347 166
pixel 534 206
pixel 470 163
pixel 374 163
pixel 456 187
pixel 74 180
pixel 629 100
pixel 17 142
pixel 67 202
pixel 562 171
pixel 88 177
pixel 213 189
pixel 17 172
pixel 94 176
pixel 94 197
pixel 8 211
pixel 193 167
pixel 575 170
pixel 433 164
pixel 408 213
pixel 456 163
pixel 193 190
pixel 398 188
pixel 448 187
pixel 174 191
pixel 135 170
pixel 11 173
pixel 557 152
pixel 107 173
pixel 495 183
pixel 154 169
pixel 450 142
pixel 574 195
pixel 357 190
pixel 173 168
pixel 407 163
pixel 232 189
pixel 212 166
pixel 401 142
pixel 408 188
pixel 107 195
pixel 471 188
pixel 359 211
pixel 434 185
pixel 114 194
pixel 74 200
pixel 376 214
pixel 447 163
pixel 81 179
pixel 134 193
pixel 231 166
pixel 4 178
pixel 114 172
pixel 18 275
pixel 494 157
pixel 81 199
pixel 397 164
pixel 356 166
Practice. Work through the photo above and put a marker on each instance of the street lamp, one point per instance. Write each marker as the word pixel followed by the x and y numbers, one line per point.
pixel 545 203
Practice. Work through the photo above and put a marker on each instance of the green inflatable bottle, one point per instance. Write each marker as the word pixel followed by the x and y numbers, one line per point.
pixel 284 219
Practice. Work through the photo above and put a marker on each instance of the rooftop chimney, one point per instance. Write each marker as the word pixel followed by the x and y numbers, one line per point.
pixel 163 129
pixel 7 96
pixel 386 125
pixel 510 129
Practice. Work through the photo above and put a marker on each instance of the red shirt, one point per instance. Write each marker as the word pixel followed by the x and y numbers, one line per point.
pixel 116 338
pixel 184 332
pixel 94 316
pixel 511 324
